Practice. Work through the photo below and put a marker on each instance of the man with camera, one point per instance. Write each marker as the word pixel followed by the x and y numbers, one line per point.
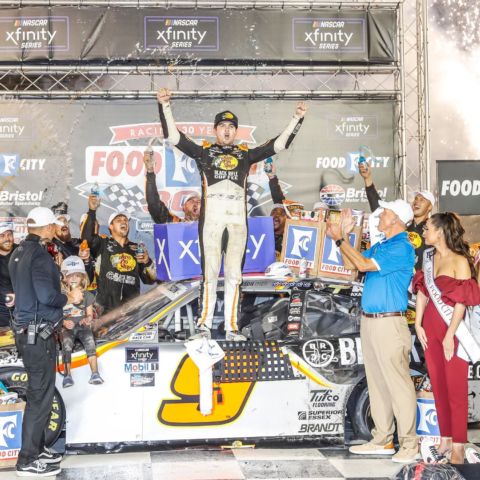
pixel 38 313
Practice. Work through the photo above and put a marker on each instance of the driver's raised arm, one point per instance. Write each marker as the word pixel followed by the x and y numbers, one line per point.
pixel 284 140
pixel 170 130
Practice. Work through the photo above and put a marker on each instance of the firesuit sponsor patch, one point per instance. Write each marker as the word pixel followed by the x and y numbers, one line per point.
pixel 123 262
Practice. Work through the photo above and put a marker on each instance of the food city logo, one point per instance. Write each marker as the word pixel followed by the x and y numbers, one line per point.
pixel 335 195
pixel 332 260
pixel 345 126
pixel 350 162
pixel 15 128
pixel 12 163
pixel 464 188
pixel 9 434
pixel 427 421
pixel 182 33
pixel 301 244
pixel 34 33
pixel 329 34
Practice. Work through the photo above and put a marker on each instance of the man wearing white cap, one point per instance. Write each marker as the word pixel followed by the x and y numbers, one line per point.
pixel 422 206
pixel 157 209
pixel 384 332
pixel 38 312
pixel 120 265
pixel 7 297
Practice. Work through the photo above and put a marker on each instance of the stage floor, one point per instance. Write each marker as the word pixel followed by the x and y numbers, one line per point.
pixel 259 463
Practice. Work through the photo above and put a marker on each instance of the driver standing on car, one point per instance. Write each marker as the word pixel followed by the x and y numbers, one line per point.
pixel 385 336
pixel 38 312
pixel 224 168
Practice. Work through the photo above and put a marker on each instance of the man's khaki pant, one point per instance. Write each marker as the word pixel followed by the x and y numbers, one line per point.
pixel 386 345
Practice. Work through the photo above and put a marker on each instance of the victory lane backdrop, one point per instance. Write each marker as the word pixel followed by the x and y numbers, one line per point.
pixel 53 151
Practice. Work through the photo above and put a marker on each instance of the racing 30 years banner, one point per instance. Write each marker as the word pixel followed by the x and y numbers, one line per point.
pixel 53 151
pixel 33 34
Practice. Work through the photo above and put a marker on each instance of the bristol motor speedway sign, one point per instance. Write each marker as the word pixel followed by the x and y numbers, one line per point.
pixel 459 186
pixel 177 248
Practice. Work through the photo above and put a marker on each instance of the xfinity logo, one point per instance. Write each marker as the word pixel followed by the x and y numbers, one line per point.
pixel 182 33
pixel 342 126
pixel 329 34
pixel 10 164
pixel 34 33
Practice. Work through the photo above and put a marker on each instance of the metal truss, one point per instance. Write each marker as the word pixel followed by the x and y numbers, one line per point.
pixel 137 81
pixel 416 167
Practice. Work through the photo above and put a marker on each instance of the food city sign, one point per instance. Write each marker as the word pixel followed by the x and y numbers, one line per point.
pixel 459 186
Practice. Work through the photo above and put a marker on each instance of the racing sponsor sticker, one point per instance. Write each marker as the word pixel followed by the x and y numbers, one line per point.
pixel 141 337
pixel 320 428
pixel 138 355
pixel 143 367
pixel 142 379
pixel 318 352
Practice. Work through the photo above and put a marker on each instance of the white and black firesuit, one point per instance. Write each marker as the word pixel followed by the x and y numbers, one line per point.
pixel 224 171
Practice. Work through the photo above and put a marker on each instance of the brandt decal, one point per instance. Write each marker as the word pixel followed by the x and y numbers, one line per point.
pixel 329 34
pixel 182 33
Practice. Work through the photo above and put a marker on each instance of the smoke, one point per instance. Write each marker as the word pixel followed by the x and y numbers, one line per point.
pixel 454 74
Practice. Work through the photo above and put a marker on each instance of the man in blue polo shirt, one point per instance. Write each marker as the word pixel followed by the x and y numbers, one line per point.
pixel 384 332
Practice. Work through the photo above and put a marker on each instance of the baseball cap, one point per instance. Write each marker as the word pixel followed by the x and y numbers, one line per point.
pixel 401 208
pixel 277 205
pixel 190 196
pixel 116 214
pixel 72 264
pixel 320 206
pixel 41 217
pixel 5 227
pixel 226 116
pixel 426 195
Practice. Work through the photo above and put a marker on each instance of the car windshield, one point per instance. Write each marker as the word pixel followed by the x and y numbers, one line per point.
pixel 130 316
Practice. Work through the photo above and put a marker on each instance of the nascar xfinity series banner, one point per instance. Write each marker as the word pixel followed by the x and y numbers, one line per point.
pixel 32 34
pixel 52 151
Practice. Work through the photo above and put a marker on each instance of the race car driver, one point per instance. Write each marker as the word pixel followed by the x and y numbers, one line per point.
pixel 224 168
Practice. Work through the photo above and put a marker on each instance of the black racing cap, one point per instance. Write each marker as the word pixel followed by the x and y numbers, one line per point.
pixel 226 116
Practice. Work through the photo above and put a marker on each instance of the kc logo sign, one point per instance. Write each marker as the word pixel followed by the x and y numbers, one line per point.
pixel 10 430
pixel 301 243
pixel 427 422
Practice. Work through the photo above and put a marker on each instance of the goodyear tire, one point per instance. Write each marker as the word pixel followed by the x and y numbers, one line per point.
pixel 15 379
pixel 359 410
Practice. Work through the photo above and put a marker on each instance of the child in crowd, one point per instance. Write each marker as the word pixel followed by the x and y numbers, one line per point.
pixel 77 321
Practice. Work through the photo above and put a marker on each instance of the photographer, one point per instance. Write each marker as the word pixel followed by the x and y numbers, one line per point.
pixel 38 312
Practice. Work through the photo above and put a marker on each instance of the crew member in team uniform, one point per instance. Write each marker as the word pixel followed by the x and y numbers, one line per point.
pixel 422 206
pixel 223 168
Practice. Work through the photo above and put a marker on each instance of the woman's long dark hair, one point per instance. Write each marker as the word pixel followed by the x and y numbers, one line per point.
pixel 453 232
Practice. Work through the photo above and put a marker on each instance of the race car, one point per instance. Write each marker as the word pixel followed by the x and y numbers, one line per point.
pixel 300 375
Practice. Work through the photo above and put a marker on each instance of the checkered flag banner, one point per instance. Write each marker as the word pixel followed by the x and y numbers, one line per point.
pixel 254 192
pixel 130 200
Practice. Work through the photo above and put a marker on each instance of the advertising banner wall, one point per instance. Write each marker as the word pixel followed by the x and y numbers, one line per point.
pixel 459 186
pixel 52 151
pixel 43 34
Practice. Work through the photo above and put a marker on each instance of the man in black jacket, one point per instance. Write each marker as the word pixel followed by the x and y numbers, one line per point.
pixel 422 206
pixel 38 312
pixel 156 208
pixel 120 268
pixel 7 297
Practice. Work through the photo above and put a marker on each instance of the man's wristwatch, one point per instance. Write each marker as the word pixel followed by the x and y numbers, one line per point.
pixel 339 242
